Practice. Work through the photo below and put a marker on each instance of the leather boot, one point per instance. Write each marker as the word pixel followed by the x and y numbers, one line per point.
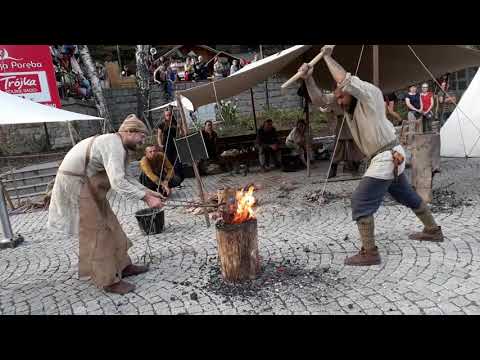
pixel 121 288
pixel 435 235
pixel 333 171
pixel 364 258
pixel 431 231
pixel 132 270
pixel 368 254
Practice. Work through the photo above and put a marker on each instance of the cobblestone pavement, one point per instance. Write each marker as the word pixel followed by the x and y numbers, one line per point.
pixel 302 245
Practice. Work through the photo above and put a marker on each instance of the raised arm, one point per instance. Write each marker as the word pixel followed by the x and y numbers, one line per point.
pixel 317 96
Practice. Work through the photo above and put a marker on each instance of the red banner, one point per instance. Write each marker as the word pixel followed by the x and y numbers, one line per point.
pixel 27 71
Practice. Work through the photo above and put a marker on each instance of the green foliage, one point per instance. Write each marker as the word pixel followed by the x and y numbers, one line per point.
pixel 283 119
pixel 227 112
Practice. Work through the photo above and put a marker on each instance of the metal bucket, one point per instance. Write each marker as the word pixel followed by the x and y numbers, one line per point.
pixel 149 223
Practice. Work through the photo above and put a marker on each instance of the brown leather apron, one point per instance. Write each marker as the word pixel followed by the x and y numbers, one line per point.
pixel 103 245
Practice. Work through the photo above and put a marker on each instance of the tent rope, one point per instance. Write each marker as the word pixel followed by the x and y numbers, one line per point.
pixel 216 100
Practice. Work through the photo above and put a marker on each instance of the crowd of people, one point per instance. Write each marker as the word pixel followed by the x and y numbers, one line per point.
pixel 423 108
pixel 192 68
pixel 70 72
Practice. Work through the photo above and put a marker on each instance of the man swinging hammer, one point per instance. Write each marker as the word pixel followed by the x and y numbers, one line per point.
pixel 364 109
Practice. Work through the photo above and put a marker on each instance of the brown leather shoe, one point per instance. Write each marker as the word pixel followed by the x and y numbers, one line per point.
pixel 364 258
pixel 428 235
pixel 121 288
pixel 132 270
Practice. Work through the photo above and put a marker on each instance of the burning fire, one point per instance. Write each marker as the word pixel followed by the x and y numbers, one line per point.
pixel 245 202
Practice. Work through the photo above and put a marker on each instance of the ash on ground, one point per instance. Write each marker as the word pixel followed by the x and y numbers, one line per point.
pixel 274 278
pixel 328 197
pixel 446 201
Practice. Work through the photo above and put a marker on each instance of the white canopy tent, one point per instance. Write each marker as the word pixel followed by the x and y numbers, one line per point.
pixel 16 110
pixel 460 135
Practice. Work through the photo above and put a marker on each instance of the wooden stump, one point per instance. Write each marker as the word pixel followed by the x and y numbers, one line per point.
pixel 238 250
pixel 425 161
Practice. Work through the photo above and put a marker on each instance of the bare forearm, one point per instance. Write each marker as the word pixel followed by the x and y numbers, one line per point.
pixel 337 71
pixel 314 92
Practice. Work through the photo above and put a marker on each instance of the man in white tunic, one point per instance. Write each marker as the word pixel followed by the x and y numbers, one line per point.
pixel 79 206
pixel 364 109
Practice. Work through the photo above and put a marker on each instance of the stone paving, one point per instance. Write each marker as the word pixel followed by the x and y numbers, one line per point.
pixel 302 245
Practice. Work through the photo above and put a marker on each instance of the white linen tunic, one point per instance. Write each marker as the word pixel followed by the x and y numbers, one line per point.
pixel 369 125
pixel 107 154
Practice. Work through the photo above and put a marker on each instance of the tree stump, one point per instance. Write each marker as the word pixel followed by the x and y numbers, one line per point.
pixel 238 250
pixel 425 162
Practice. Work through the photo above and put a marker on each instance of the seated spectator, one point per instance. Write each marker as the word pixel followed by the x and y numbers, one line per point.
pixel 296 141
pixel 412 100
pixel 188 74
pixel 200 70
pixel 160 74
pixel 426 100
pixel 234 68
pixel 390 100
pixel 157 172
pixel 210 139
pixel 268 145
pixel 218 68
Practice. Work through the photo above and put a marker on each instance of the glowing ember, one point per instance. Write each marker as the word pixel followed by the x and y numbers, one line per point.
pixel 245 202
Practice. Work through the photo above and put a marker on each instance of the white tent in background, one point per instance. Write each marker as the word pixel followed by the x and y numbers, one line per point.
pixel 460 135
pixel 16 110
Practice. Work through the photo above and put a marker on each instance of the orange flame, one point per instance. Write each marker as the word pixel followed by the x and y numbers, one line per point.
pixel 245 202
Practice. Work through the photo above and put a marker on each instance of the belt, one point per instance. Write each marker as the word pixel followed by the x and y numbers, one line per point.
pixel 69 173
pixel 397 158
pixel 384 148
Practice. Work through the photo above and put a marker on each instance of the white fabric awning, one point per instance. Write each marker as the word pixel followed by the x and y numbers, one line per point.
pixel 16 110
pixel 398 67
pixel 187 105
pixel 244 79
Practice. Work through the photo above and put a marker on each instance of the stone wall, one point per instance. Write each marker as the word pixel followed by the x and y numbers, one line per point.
pixel 32 138
pixel 290 100
pixel 122 102
pixel 29 138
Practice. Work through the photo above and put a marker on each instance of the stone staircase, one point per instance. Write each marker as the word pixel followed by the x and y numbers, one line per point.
pixel 29 182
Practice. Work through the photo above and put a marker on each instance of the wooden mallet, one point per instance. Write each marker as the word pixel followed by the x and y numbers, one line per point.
pixel 298 75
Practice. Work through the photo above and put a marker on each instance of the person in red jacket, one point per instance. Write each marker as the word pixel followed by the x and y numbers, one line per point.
pixel 426 100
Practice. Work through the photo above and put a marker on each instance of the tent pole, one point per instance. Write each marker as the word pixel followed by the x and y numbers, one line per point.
pixel 194 164
pixel 307 120
pixel 47 137
pixel 7 240
pixel 253 111
pixel 70 132
pixel 267 99
pixel 376 70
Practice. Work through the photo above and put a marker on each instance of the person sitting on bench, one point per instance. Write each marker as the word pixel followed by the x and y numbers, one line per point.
pixel 267 143
pixel 296 141
pixel 151 169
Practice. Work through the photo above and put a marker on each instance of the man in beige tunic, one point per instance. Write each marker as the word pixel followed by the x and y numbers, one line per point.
pixel 364 111
pixel 79 206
